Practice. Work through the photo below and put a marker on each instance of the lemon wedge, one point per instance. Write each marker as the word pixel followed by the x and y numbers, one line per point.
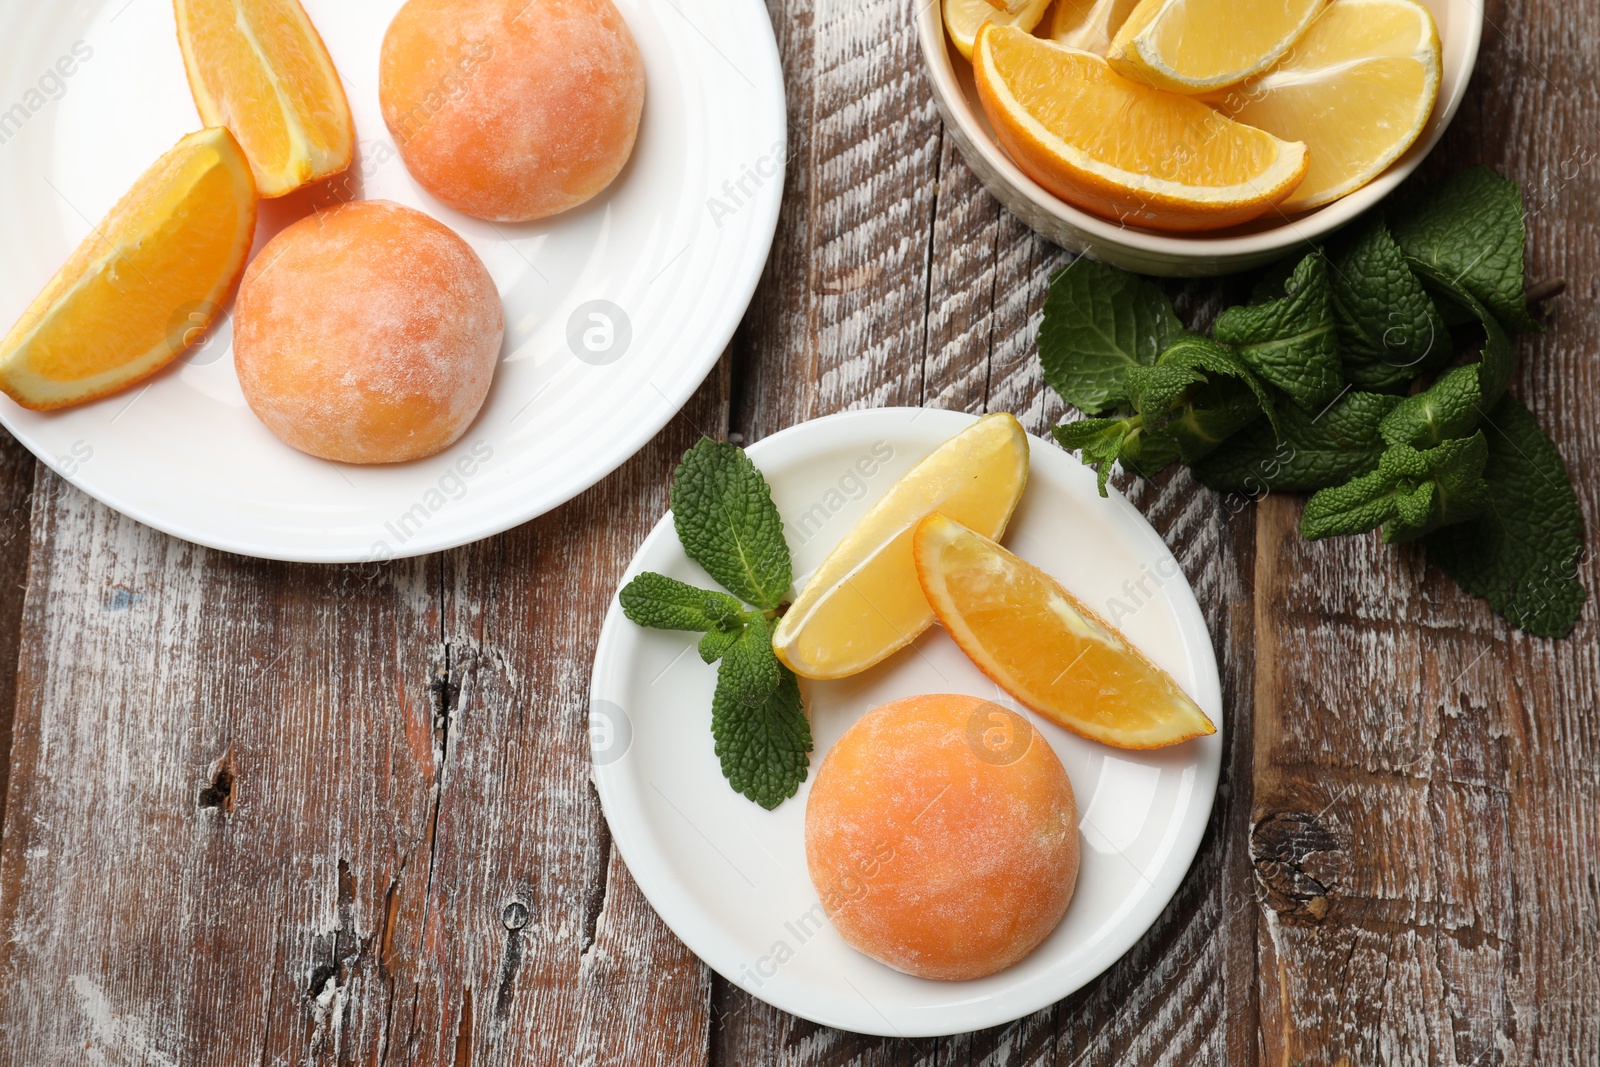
pixel 1358 89
pixel 1090 25
pixel 964 18
pixel 863 604
pixel 1197 46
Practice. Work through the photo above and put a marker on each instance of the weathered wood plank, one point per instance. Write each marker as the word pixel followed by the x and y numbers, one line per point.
pixel 213 767
pixel 274 814
pixel 536 946
pixel 16 508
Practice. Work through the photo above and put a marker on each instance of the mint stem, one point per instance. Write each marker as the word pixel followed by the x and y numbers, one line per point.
pixel 1539 292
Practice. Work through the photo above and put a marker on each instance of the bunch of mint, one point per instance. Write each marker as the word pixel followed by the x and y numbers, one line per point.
pixel 1340 377
pixel 723 511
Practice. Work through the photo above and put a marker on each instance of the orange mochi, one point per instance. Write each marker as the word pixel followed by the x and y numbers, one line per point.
pixel 942 836
pixel 512 110
pixel 367 334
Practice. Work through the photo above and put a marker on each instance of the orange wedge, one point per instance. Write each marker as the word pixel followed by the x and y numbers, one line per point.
pixel 1045 647
pixel 1123 150
pixel 259 68
pixel 143 285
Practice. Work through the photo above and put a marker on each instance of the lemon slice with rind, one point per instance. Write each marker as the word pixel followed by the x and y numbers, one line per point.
pixel 864 603
pixel 1358 89
pixel 964 18
pixel 1198 46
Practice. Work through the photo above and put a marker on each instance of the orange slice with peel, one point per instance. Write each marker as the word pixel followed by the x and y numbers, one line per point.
pixel 863 603
pixel 259 68
pixel 143 285
pixel 1045 647
pixel 1121 149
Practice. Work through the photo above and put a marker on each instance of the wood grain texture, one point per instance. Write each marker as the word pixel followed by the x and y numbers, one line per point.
pixel 1426 810
pixel 16 507
pixel 278 814
pixel 268 814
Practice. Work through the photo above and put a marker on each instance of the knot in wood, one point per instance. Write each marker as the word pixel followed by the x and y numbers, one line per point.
pixel 1296 859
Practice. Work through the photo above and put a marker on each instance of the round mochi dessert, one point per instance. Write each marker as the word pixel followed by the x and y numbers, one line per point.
pixel 942 836
pixel 512 110
pixel 367 334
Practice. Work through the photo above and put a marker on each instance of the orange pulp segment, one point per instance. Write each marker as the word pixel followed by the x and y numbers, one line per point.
pixel 143 285
pixel 259 68
pixel 1045 647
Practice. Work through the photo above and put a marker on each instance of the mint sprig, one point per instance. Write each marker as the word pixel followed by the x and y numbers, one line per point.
pixel 1342 377
pixel 1290 342
pixel 1099 321
pixel 723 512
pixel 1522 554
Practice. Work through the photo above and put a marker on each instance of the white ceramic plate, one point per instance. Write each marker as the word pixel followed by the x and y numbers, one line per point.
pixel 730 878
pixel 93 91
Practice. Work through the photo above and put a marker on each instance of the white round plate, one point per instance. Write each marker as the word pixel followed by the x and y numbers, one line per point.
pixel 92 92
pixel 730 878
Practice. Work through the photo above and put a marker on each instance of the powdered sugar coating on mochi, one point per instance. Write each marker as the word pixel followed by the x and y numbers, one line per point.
pixel 367 334
pixel 512 110
pixel 936 858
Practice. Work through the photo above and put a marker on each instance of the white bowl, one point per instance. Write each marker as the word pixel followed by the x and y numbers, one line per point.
pixel 1253 244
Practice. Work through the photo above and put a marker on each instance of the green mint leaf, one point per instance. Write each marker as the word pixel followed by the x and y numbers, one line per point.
pixel 715 644
pixel 1308 452
pixel 1389 327
pixel 663 603
pixel 1155 391
pixel 1523 553
pixel 1498 359
pixel 1100 441
pixel 722 508
pixel 1453 405
pixel 1216 412
pixel 1469 231
pixel 1098 322
pixel 1292 342
pixel 1195 398
pixel 1412 493
pixel 1147 452
pixel 763 739
pixel 1449 408
pixel 1196 353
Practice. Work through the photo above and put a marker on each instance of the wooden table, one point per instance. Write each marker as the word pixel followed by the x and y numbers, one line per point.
pixel 269 814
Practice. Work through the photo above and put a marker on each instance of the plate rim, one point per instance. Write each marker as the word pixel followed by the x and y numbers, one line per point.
pixel 656 882
pixel 750 268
